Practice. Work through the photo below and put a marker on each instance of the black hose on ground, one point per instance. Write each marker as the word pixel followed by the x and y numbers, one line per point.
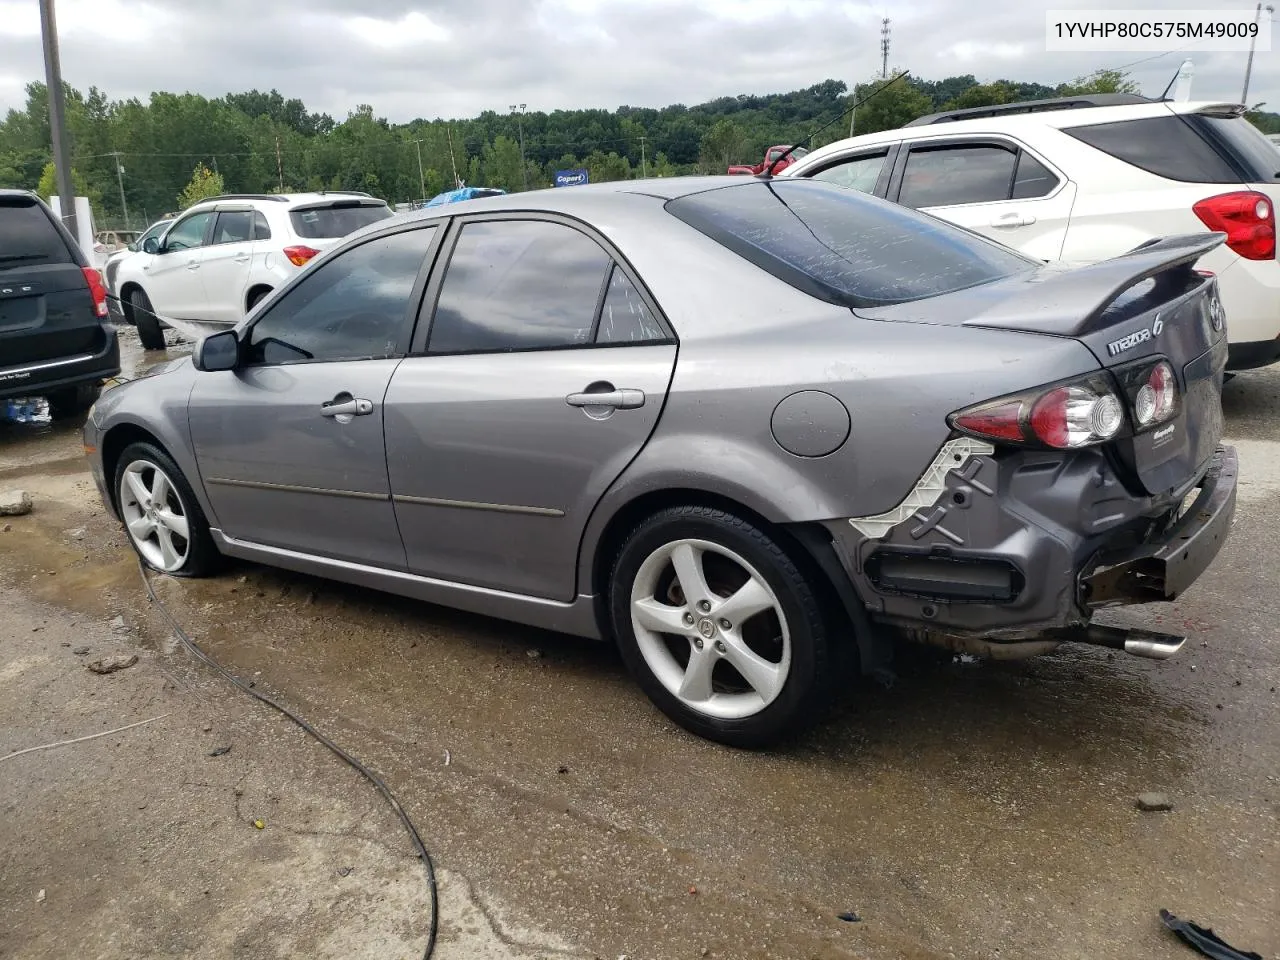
pixel 351 761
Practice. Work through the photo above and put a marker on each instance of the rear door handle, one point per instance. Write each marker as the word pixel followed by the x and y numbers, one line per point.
pixel 1014 219
pixel 626 399
pixel 243 258
pixel 193 264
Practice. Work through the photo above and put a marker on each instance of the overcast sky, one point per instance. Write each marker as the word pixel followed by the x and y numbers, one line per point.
pixel 454 58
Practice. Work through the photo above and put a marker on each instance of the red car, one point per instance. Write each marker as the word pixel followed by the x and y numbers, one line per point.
pixel 770 155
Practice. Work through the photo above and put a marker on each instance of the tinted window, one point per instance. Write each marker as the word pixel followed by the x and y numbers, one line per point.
pixel 233 226
pixel 950 175
pixel 153 231
pixel 1033 180
pixel 261 229
pixel 328 222
pixel 188 233
pixel 856 173
pixel 1243 141
pixel 518 285
pixel 625 317
pixel 353 307
pixel 1165 146
pixel 843 246
pixel 27 234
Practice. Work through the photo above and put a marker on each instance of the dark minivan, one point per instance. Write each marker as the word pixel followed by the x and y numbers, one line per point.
pixel 56 339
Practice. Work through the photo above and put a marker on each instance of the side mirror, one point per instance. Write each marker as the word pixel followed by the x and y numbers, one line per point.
pixel 151 245
pixel 221 351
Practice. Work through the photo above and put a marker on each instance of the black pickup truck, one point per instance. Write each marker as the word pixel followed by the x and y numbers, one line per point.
pixel 56 339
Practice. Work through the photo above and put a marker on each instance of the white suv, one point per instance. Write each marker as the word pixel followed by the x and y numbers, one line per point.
pixel 222 256
pixel 1088 178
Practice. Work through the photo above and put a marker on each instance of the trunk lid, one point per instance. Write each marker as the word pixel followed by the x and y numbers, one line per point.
pixel 46 309
pixel 1130 312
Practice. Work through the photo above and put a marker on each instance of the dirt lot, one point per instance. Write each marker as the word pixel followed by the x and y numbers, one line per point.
pixel 972 810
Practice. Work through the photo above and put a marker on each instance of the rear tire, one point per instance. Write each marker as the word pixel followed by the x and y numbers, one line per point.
pixel 162 518
pixel 72 401
pixel 741 653
pixel 144 318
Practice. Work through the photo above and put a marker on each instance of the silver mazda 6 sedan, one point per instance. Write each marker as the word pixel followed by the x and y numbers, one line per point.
pixel 750 430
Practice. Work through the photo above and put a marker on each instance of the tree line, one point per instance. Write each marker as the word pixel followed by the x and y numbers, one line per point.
pixel 258 142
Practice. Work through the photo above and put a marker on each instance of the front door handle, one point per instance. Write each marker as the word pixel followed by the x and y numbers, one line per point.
pixel 193 264
pixel 243 258
pixel 625 399
pixel 344 406
pixel 1014 219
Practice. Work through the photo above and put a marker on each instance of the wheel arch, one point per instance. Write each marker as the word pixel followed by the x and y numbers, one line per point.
pixel 113 443
pixel 253 291
pixel 808 544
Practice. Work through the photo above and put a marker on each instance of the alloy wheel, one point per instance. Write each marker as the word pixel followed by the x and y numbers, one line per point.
pixel 155 516
pixel 710 628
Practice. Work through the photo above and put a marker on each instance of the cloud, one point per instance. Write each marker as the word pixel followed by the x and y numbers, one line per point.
pixel 453 58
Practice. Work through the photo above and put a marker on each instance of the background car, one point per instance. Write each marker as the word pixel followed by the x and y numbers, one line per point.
pixel 218 259
pixel 741 427
pixel 1087 178
pixel 112 266
pixel 55 340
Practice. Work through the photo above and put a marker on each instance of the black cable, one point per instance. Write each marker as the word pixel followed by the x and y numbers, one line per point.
pixel 355 764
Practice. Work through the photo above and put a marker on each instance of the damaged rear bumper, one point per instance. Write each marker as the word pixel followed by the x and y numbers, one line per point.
pixel 1015 545
pixel 1163 569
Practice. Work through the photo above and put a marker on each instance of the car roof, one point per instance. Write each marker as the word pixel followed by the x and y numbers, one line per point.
pixel 1014 123
pixel 287 201
pixel 11 192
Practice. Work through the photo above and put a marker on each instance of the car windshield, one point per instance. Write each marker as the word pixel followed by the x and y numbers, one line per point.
pixel 318 223
pixel 845 247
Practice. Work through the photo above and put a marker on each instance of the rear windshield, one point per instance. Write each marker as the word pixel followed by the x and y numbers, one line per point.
pixel 27 235
pixel 843 246
pixel 1169 147
pixel 1238 138
pixel 319 223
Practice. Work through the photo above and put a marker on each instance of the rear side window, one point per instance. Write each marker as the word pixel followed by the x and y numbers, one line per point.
pixel 27 235
pixel 842 246
pixel 944 176
pixel 261 229
pixel 320 223
pixel 625 317
pixel 518 285
pixel 1166 146
pixel 233 226
pixel 1034 179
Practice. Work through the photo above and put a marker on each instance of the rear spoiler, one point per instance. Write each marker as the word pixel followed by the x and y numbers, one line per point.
pixel 1070 302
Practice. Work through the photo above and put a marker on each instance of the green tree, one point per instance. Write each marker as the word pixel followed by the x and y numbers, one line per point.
pixel 48 187
pixel 501 165
pixel 983 95
pixel 722 146
pixel 1100 81
pixel 889 105
pixel 603 167
pixel 204 184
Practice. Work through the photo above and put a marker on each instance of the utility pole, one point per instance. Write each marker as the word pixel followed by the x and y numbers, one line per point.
pixel 457 184
pixel 422 180
pixel 518 109
pixel 57 116
pixel 644 166
pixel 120 177
pixel 279 165
pixel 1248 68
pixel 884 49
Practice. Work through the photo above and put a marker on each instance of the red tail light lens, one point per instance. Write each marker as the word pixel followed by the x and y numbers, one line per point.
pixel 1152 389
pixel 1247 218
pixel 299 255
pixel 1078 414
pixel 98 292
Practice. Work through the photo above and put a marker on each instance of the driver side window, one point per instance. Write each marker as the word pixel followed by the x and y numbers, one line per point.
pixel 354 307
pixel 188 233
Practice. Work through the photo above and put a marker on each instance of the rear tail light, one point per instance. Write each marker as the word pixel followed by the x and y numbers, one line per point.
pixel 1247 218
pixel 299 255
pixel 1081 412
pixel 98 292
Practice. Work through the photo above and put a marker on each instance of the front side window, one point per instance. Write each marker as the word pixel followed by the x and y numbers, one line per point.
pixel 354 307
pixel 945 176
pixel 518 285
pixel 233 226
pixel 188 233
pixel 855 173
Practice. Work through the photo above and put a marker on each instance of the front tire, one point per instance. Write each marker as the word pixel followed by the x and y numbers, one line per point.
pixel 720 627
pixel 144 318
pixel 161 515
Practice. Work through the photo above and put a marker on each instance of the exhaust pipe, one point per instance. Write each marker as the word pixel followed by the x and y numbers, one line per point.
pixel 1135 642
